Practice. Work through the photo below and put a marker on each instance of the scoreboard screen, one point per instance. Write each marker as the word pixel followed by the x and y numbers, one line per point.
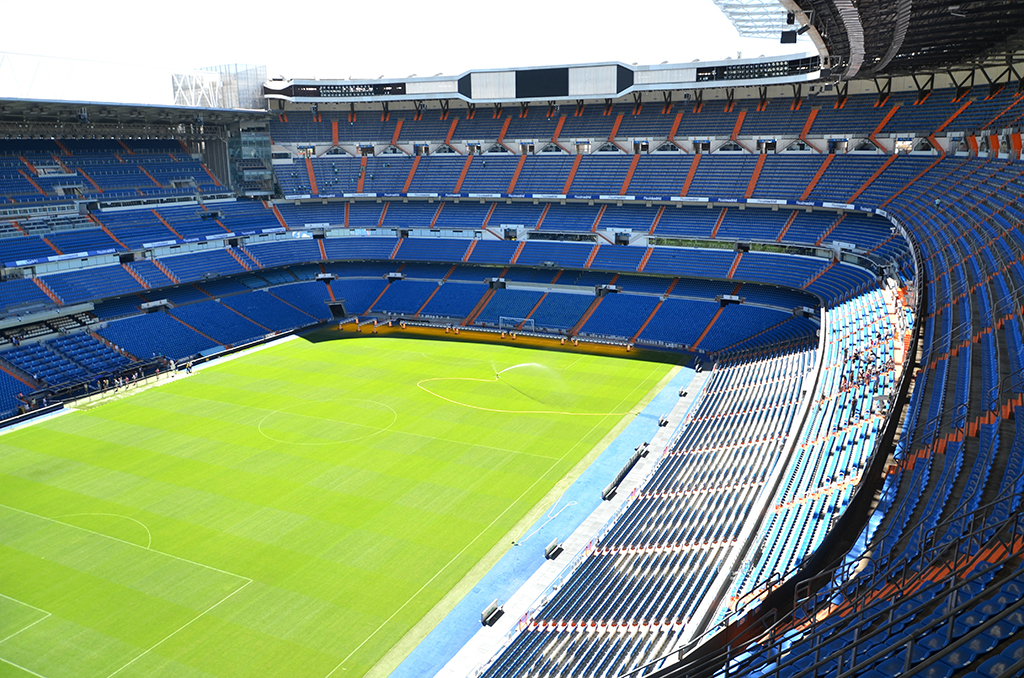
pixel 343 91
pixel 362 90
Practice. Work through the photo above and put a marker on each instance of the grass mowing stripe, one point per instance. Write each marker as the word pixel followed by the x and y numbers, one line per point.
pixel 21 668
pixel 180 629
pixel 397 653
pixel 104 563
pixel 420 383
pixel 32 612
pixel 484 447
pixel 348 544
pixel 498 517
pixel 122 541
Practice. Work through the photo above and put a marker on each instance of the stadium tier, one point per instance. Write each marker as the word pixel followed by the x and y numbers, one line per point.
pixel 857 115
pixel 657 562
pixel 52 170
pixel 828 292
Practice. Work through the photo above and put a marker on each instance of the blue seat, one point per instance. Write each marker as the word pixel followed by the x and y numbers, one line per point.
pixel 1000 630
pixel 995 667
pixel 1015 619
pixel 1015 587
pixel 1014 650
pixel 960 657
pixel 933 642
pixel 993 606
pixel 938 670
pixel 893 666
pixel 970 620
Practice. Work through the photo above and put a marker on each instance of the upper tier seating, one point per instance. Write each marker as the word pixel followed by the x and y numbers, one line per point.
pixel 59 170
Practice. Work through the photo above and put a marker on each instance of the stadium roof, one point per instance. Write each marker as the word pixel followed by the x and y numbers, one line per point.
pixel 755 18
pixel 554 83
pixel 903 37
pixel 26 111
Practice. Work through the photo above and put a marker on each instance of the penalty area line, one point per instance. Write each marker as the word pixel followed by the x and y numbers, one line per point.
pixel 46 615
pixel 247 581
pixel 123 541
pixel 180 628
pixel 113 515
pixel 19 666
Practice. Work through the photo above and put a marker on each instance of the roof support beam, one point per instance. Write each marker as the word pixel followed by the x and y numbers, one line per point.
pixel 884 89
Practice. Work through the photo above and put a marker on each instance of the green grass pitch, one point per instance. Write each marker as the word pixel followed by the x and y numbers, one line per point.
pixel 292 512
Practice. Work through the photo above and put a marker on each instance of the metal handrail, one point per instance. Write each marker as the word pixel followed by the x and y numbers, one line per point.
pixel 770 615
pixel 930 552
pixel 949 521
pixel 874 578
pixel 960 413
pixel 1000 387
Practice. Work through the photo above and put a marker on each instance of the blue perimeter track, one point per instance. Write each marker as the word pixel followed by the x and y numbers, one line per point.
pixel 520 563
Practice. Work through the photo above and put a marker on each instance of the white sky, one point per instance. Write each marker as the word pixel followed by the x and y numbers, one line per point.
pixel 141 43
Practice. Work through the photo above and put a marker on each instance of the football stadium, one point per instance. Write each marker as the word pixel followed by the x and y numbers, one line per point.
pixel 701 369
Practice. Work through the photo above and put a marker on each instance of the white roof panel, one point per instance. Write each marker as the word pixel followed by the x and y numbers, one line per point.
pixel 756 18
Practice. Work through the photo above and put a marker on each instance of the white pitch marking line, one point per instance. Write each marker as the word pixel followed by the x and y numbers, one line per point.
pixel 123 541
pixel 24 628
pixel 46 615
pixel 471 445
pixel 438 574
pixel 474 539
pixel 394 419
pixel 420 383
pixel 19 666
pixel 180 628
pixel 22 602
pixel 113 515
pixel 570 365
pixel 169 555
